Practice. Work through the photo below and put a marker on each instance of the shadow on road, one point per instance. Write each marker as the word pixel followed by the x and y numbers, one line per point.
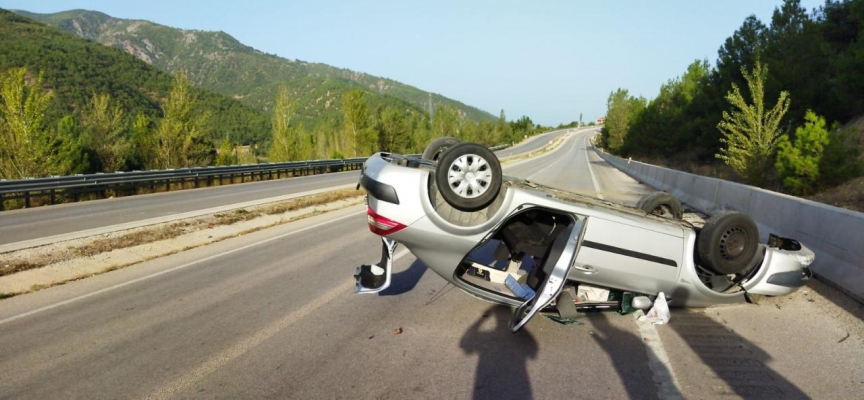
pixel 627 353
pixel 502 370
pixel 730 364
pixel 403 282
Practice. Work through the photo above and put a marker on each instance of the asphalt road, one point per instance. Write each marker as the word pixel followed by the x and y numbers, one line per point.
pixel 272 314
pixel 40 222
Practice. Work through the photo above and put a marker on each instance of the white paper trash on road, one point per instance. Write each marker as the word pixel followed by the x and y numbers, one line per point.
pixel 659 314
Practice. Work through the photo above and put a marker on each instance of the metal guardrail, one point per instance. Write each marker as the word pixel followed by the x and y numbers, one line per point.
pixel 64 187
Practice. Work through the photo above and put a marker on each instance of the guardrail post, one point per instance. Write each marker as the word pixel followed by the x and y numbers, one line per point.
pixel 2 208
pixel 52 197
pixel 27 199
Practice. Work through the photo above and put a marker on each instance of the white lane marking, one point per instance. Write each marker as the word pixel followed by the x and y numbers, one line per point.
pixel 232 353
pixel 591 171
pixel 179 267
pixel 658 362
pixel 547 154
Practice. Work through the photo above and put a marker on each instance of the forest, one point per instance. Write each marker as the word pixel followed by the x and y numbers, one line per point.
pixel 69 105
pixel 779 107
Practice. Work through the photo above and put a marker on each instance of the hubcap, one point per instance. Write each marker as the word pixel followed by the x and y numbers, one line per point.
pixel 469 176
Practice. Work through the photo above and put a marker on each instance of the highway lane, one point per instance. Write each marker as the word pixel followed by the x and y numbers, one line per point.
pixel 280 320
pixel 20 225
pixel 273 314
pixel 576 167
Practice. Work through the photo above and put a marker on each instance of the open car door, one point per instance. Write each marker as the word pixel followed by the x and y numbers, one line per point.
pixel 553 273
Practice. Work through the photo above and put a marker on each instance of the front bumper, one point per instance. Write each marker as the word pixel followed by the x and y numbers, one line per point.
pixel 782 272
pixel 791 279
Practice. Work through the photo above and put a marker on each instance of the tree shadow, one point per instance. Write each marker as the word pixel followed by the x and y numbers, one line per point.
pixel 735 365
pixel 628 355
pixel 502 370
pixel 404 281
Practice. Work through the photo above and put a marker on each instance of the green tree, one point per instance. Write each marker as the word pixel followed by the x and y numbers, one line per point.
pixel 665 126
pixel 392 131
pixel 841 159
pixel 798 162
pixel 227 154
pixel 361 138
pixel 470 132
pixel 420 134
pixel 104 129
pixel 68 133
pixel 180 135
pixel 328 139
pixel 445 122
pixel 289 142
pixel 28 148
pixel 143 144
pixel 503 131
pixel 621 110
pixel 750 132
pixel 523 127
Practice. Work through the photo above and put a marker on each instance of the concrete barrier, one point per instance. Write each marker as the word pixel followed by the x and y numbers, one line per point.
pixel 835 234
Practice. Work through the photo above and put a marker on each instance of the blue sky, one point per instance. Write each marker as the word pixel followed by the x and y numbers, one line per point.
pixel 548 59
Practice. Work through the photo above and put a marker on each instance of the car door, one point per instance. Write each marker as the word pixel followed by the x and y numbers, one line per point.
pixel 639 258
pixel 555 266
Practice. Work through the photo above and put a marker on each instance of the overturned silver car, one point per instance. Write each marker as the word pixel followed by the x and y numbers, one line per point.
pixel 544 250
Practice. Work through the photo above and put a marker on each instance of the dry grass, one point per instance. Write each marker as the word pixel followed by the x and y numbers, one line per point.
pixel 849 195
pixel 10 264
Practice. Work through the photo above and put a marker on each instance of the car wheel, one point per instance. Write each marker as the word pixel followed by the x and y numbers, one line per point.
pixel 728 243
pixel 438 146
pixel 661 204
pixel 468 177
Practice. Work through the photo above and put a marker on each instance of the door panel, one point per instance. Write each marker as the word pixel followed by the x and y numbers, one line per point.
pixel 555 267
pixel 626 257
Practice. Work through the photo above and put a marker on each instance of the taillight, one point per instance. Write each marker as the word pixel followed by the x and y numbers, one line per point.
pixel 380 225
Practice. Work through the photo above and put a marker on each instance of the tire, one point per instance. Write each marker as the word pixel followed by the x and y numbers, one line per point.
pixel 438 146
pixel 661 204
pixel 728 243
pixel 468 177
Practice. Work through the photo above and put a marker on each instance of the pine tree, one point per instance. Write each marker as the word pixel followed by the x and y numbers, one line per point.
pixel 750 133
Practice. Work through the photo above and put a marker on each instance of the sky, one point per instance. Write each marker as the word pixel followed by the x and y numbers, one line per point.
pixel 550 60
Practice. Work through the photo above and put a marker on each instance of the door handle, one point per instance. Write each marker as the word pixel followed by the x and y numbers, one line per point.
pixel 586 269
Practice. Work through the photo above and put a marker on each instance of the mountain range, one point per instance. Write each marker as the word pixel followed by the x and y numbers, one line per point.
pixel 219 62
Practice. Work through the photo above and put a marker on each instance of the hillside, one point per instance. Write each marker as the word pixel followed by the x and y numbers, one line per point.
pixel 217 61
pixel 74 69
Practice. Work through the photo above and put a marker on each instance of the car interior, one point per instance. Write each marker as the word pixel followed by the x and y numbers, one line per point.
pixel 519 249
